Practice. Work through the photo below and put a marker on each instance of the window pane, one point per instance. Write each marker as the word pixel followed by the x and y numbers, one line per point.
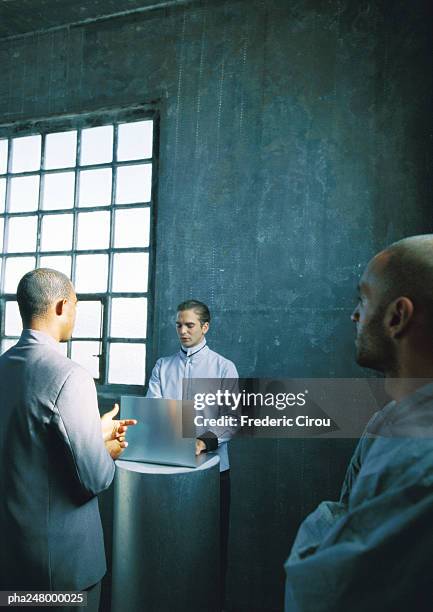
pixel 24 193
pixel 95 187
pixel 7 344
pixel 91 273
pixel 2 194
pixel 26 153
pixel 134 184
pixel 127 363
pixel 93 230
pixel 97 145
pixel 87 355
pixel 60 150
pixel 130 272
pixel 56 232
pixel 1 234
pixel 58 190
pixel 62 263
pixel 16 267
pixel 128 317
pixel 22 234
pixel 13 324
pixel 132 227
pixel 88 321
pixel 3 156
pixel 135 140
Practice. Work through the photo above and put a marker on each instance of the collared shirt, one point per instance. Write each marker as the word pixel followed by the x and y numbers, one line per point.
pixel 167 381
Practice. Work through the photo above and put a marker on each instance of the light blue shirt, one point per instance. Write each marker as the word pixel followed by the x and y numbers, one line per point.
pixel 196 362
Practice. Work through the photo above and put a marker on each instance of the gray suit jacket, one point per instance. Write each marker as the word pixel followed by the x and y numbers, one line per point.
pixel 53 463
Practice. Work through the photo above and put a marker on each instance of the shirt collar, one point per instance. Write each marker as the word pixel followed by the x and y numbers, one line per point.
pixel 33 336
pixel 189 352
pixel 418 398
pixel 410 412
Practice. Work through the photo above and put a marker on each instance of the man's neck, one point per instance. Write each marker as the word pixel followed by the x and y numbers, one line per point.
pixel 42 326
pixel 408 377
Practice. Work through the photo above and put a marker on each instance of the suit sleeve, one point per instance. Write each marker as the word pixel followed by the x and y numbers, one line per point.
pixel 154 388
pixel 77 421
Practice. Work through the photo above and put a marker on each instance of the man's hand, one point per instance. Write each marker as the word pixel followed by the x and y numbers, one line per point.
pixel 200 446
pixel 115 430
pixel 116 447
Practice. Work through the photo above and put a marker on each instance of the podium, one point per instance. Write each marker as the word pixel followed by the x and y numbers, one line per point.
pixel 166 543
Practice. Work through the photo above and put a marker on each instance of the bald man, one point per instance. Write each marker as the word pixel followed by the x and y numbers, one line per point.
pixel 56 453
pixel 372 550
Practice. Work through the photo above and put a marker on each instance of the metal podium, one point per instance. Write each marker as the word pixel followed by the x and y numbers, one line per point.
pixel 166 538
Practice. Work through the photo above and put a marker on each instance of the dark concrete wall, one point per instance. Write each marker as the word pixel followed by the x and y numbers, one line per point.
pixel 295 142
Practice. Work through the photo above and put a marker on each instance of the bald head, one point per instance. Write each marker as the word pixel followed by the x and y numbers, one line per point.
pixel 405 268
pixel 394 314
pixel 38 290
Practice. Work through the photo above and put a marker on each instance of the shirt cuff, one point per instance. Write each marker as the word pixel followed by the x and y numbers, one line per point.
pixel 210 440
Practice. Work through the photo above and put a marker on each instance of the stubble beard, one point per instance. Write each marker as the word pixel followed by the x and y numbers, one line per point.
pixel 374 350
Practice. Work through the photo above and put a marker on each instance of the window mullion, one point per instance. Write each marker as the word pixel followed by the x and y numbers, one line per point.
pixel 40 198
pixel 6 217
pixel 75 219
pixel 107 309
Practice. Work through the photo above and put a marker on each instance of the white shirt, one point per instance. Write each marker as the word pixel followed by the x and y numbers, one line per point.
pixel 196 362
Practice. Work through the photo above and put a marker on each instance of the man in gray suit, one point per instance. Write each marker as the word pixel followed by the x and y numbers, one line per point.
pixel 56 453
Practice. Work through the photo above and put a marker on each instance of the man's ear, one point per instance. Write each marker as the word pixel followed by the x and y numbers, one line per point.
pixel 60 306
pixel 398 316
pixel 205 327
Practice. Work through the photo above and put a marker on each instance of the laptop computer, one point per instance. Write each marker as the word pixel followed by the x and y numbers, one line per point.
pixel 157 437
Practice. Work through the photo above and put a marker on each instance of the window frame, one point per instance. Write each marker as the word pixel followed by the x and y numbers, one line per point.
pixel 78 122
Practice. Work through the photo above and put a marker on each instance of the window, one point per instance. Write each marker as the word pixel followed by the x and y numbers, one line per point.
pixel 76 195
